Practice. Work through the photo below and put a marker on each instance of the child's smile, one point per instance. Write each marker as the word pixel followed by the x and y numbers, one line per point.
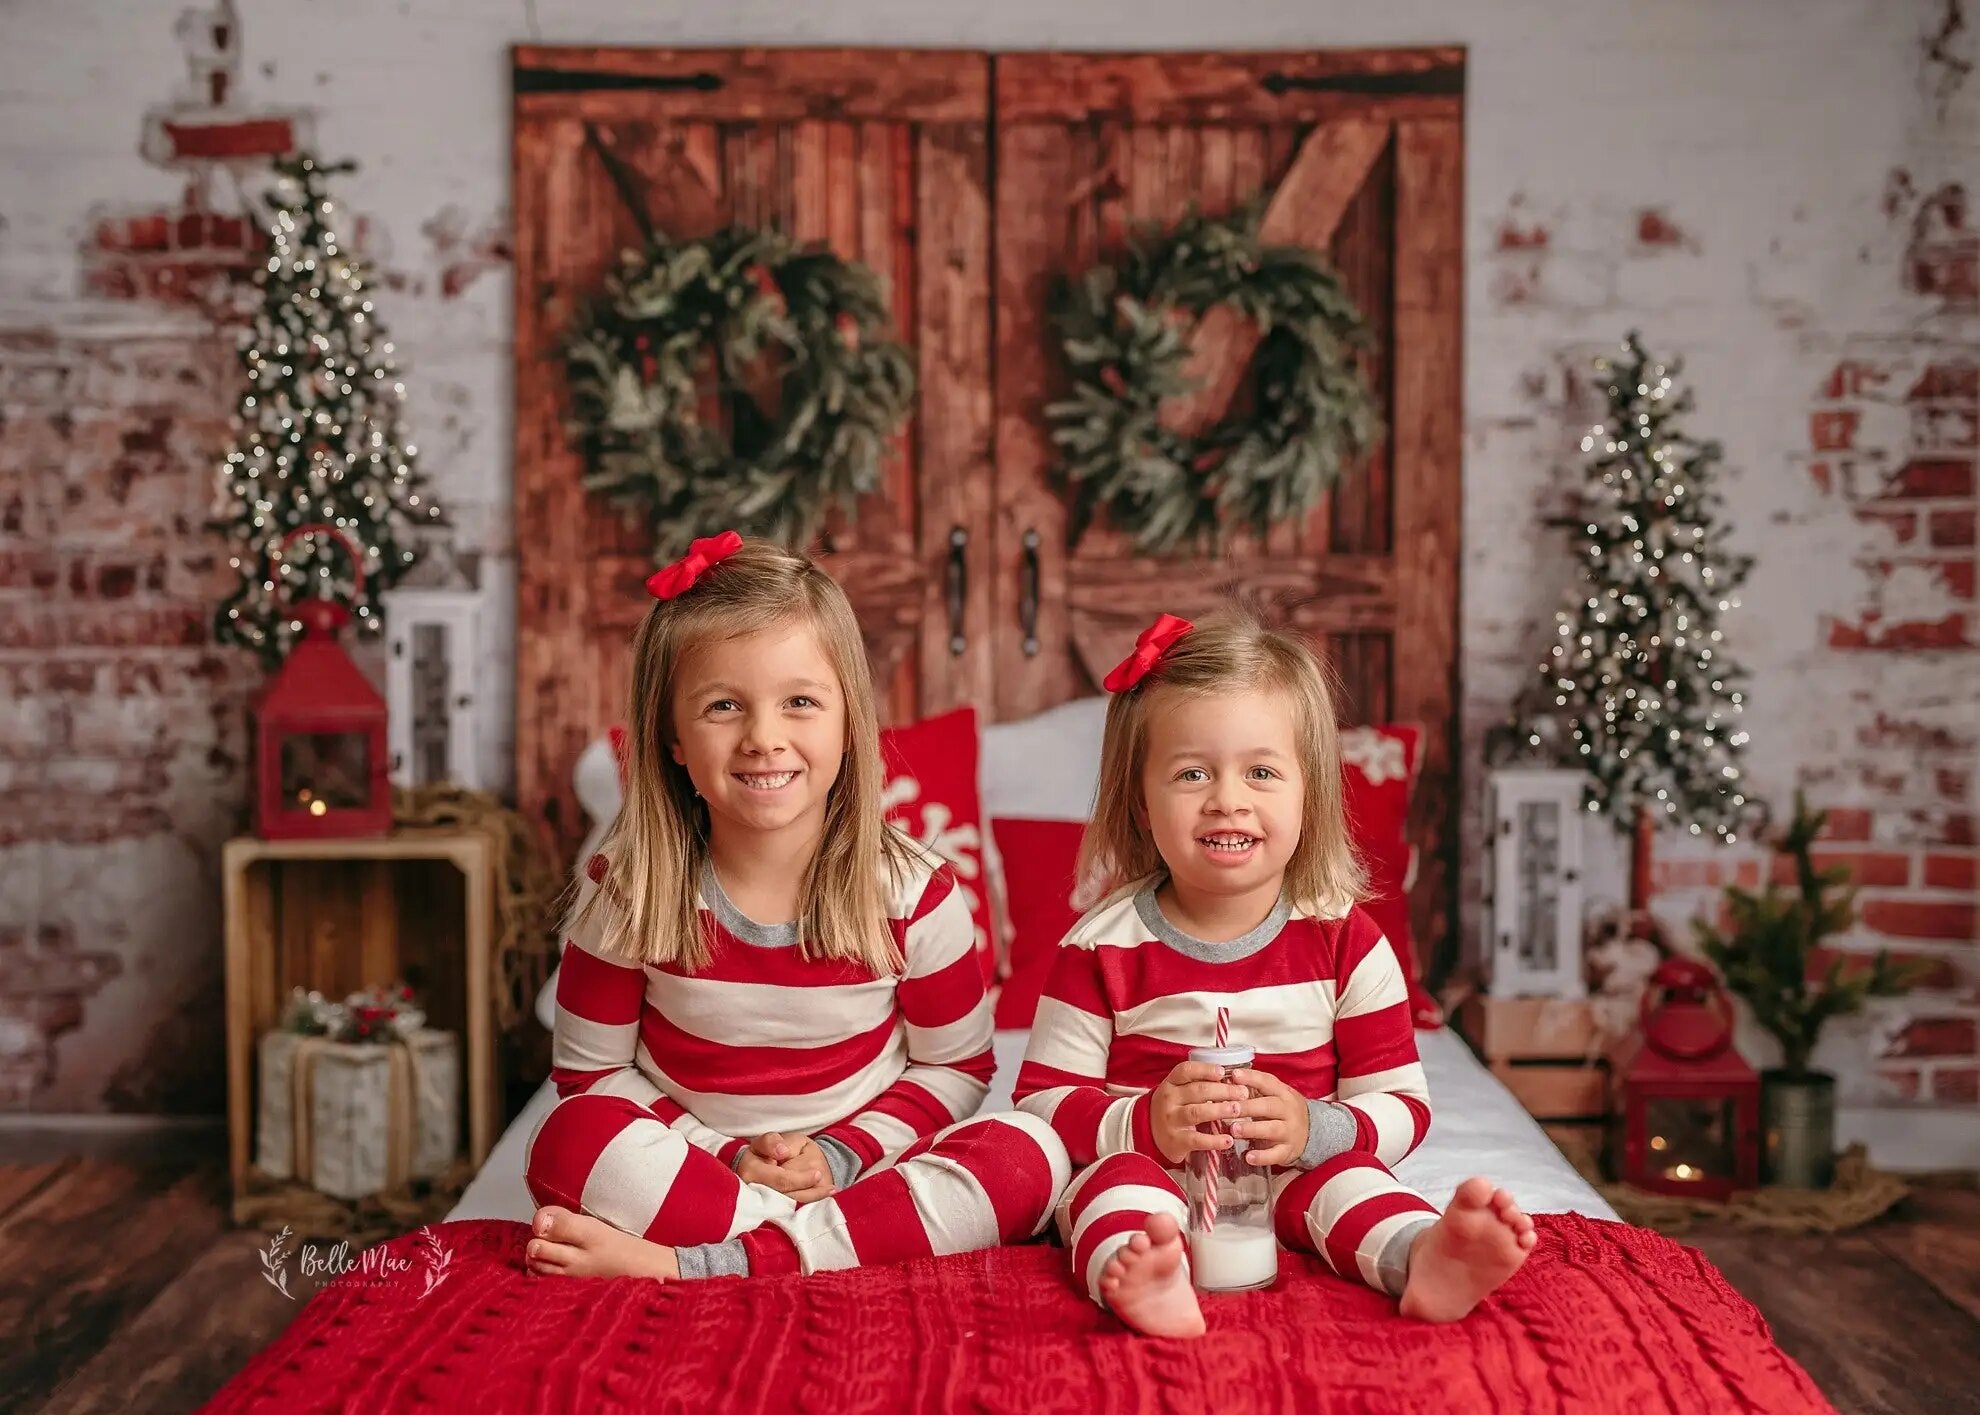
pixel 766 781
pixel 1229 847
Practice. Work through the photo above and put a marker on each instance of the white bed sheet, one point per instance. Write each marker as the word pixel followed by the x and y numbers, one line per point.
pixel 1477 1127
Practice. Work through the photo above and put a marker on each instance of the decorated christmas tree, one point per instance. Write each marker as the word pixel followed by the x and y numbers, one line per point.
pixel 1638 687
pixel 319 432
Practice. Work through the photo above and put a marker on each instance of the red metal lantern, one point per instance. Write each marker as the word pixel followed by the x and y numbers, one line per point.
pixel 319 732
pixel 1690 1109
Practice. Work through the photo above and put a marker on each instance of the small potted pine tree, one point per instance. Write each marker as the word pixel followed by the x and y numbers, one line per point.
pixel 1766 956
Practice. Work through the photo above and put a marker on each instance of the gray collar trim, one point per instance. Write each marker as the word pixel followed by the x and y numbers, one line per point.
pixel 1243 946
pixel 738 923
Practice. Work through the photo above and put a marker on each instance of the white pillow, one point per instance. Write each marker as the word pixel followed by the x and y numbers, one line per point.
pixel 1044 767
pixel 596 781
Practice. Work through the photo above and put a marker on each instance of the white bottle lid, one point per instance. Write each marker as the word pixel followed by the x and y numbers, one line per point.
pixel 1227 1057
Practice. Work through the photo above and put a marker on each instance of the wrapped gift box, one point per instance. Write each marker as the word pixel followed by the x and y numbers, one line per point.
pixel 354 1118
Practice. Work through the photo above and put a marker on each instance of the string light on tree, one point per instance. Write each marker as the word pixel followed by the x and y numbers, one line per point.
pixel 1637 687
pixel 319 434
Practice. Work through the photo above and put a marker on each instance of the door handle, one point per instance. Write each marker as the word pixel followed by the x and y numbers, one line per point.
pixel 1028 595
pixel 958 589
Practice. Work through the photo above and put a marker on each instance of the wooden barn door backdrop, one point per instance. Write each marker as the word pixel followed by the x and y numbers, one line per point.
pixel 881 154
pixel 960 568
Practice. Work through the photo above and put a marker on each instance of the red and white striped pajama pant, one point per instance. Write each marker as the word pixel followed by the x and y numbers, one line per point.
pixel 1347 1209
pixel 980 1182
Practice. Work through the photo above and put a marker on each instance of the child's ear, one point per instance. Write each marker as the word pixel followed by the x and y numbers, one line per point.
pixel 680 757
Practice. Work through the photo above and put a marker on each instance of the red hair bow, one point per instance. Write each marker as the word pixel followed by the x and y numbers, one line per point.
pixel 703 555
pixel 1154 642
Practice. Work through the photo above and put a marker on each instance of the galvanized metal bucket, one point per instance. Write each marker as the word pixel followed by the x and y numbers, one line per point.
pixel 1797 1129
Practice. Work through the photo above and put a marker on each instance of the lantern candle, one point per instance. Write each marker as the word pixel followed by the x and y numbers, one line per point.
pixel 1690 1104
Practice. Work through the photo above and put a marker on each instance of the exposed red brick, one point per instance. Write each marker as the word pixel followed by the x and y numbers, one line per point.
pixel 250 137
pixel 1835 431
pixel 1748 875
pixel 1934 1036
pixel 1852 378
pixel 1952 528
pixel 1953 380
pixel 33 569
pixel 1955 828
pixel 1879 868
pixel 1846 823
pixel 1946 870
pixel 1872 633
pixel 1922 918
pixel 1933 476
pixel 1820 472
pixel 1956 1085
pixel 1957 577
pixel 1954 783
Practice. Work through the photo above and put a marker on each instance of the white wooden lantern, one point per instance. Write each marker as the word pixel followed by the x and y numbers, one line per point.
pixel 434 680
pixel 1533 908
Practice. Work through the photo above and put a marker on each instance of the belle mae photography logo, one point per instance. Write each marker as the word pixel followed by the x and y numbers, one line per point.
pixel 339 1267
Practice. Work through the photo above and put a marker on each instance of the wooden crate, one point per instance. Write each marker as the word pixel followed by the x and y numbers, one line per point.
pixel 341 915
pixel 1547 1053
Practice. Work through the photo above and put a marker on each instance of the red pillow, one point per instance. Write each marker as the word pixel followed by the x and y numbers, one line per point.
pixel 931 793
pixel 1040 871
pixel 1378 771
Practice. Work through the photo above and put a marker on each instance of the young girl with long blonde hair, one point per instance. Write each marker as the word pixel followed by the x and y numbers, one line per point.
pixel 1221 829
pixel 771 1027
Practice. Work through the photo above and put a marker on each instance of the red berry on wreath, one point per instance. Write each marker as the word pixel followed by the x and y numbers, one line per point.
pixel 765 282
pixel 848 330
pixel 1206 459
pixel 1111 380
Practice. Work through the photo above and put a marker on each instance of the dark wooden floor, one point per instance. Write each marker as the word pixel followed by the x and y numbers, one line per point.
pixel 123 1289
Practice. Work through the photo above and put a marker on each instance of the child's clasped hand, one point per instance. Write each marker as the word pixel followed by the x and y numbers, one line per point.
pixel 790 1164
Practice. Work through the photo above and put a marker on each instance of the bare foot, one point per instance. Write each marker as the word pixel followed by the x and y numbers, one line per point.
pixel 577 1245
pixel 1480 1241
pixel 1144 1283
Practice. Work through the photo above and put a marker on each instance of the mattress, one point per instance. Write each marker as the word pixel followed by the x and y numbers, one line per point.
pixel 1476 1127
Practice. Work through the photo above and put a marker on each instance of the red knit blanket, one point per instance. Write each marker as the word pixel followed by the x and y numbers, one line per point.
pixel 1602 1317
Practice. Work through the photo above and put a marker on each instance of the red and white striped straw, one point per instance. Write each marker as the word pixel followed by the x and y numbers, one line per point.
pixel 1210 1162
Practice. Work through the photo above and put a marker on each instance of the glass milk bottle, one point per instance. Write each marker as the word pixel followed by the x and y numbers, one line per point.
pixel 1231 1245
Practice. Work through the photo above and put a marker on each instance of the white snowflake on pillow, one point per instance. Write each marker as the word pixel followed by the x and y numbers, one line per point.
pixel 1376 755
pixel 934 826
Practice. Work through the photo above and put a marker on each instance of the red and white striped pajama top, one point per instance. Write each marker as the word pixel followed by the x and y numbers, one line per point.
pixel 878 1069
pixel 1322 1001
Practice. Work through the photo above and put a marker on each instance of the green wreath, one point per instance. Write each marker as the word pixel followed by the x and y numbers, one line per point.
pixel 1126 331
pixel 684 324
